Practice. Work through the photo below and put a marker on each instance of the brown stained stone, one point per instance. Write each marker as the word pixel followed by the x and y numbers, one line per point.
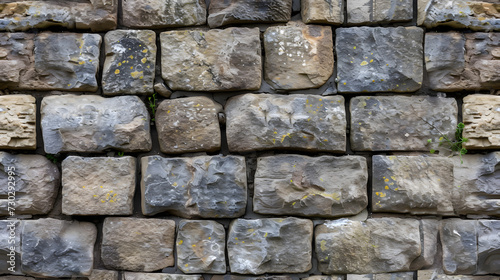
pixel 159 276
pixel 17 122
pixel 16 56
pixel 320 11
pixel 378 11
pixel 481 116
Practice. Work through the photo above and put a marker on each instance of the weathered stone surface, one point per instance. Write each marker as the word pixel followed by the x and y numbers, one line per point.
pixel 320 11
pixel 270 245
pixel 475 15
pixel 401 123
pixel 98 185
pixel 201 247
pixel 222 12
pixel 412 184
pixel 214 60
pixel 247 277
pixel 163 13
pixel 299 185
pixel 300 122
pixel 55 248
pixel 379 11
pixel 375 246
pixel 35 181
pixel 98 274
pixel 17 278
pixel 298 56
pixel 481 116
pixel 188 125
pixel 97 15
pixel 17 122
pixel 137 244
pixel 324 277
pixel 382 276
pixel 458 239
pixel 456 61
pixel 162 90
pixel 159 276
pixel 379 59
pixel 435 275
pixel 10 247
pixel 429 229
pixel 90 123
pixel 16 55
pixel 488 247
pixel 204 186
pixel 129 67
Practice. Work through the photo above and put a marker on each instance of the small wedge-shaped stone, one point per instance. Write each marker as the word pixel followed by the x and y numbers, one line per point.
pixel 270 246
pixel 378 11
pixel 481 116
pixel 488 247
pixel 320 11
pixel 299 185
pixel 159 276
pixel 381 276
pixel 214 60
pixel 99 274
pixel 375 246
pixel 55 248
pixel 401 123
pixel 429 231
pixel 10 247
pixel 300 122
pixel 204 186
pixel 459 243
pixel 91 123
pixel 17 122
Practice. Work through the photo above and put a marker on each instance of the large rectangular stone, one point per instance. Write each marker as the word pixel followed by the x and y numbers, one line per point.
pixel 488 247
pixel 320 11
pixel 481 116
pixel 159 276
pixel 360 12
pixel 382 276
pixel 459 243
pixel 17 122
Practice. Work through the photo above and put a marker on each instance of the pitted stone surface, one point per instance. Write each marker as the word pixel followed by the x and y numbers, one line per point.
pixel 214 60
pixel 320 11
pixel 35 181
pixel 381 276
pixel 412 184
pixel 137 244
pixel 129 67
pixel 379 59
pixel 188 125
pixel 98 185
pixel 302 122
pixel 201 247
pixel 481 116
pixel 55 248
pixel 325 186
pixel 163 13
pixel 204 186
pixel 401 123
pixel 270 245
pixel 459 243
pixel 298 56
pixel 10 247
pixel 17 122
pixel 159 276
pixel 98 274
pixel 222 12
pixel 91 123
pixel 379 11
pixel 488 247
pixel 429 230
pixel 375 246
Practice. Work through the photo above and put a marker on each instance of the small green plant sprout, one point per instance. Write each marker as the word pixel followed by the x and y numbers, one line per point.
pixel 152 105
pixel 454 145
pixel 52 158
pixel 120 154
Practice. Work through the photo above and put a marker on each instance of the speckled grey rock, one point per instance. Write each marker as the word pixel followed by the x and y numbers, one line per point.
pixel 488 247
pixel 99 274
pixel 481 114
pixel 375 246
pixel 381 276
pixel 270 245
pixel 298 56
pixel 379 59
pixel 214 60
pixel 378 11
pixel 325 186
pixel 204 186
pixel 459 243
pixel 223 12
pixel 159 276
pixel 401 123
pixel 163 13
pixel 320 11
pixel 298 122
pixel 129 67
pixel 201 247
pixel 429 230
pixel 91 123
pixel 55 248
pixel 10 247
pixel 17 122
pixel 137 244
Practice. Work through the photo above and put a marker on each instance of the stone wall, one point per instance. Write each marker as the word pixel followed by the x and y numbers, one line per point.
pixel 238 139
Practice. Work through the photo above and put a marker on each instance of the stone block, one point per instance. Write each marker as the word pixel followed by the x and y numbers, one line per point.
pixel 459 243
pixel 488 247
pixel 17 122
pixel 324 277
pixel 360 12
pixel 247 277
pixel 429 230
pixel 382 276
pixel 436 275
pixel 481 116
pixel 159 276
pixel 10 247
pixel 325 12
pixel 99 274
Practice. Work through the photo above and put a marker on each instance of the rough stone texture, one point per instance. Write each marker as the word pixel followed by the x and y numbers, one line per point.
pixel 97 15
pixel 200 247
pixel 137 244
pixel 98 185
pixel 16 56
pixel 324 277
pixel 163 13
pixel 98 274
pixel 204 186
pixel 458 239
pixel 475 15
pixel 270 245
pixel 412 184
pixel 162 90
pixel 456 61
pixel 36 182
pixel 488 247
pixel 214 60
pixel 129 67
pixel 378 11
pixel 429 229
pixel 401 123
pixel 379 59
pixel 10 238
pixel 223 12
pixel 17 122
pixel 301 122
pixel 55 248
pixel 381 276
pixel 159 276
pixel 435 275
pixel 91 123
pixel 188 125
pixel 298 185
pixel 298 56
pixel 375 246
pixel 320 11
pixel 481 116
pixel 17 278
pixel 247 277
